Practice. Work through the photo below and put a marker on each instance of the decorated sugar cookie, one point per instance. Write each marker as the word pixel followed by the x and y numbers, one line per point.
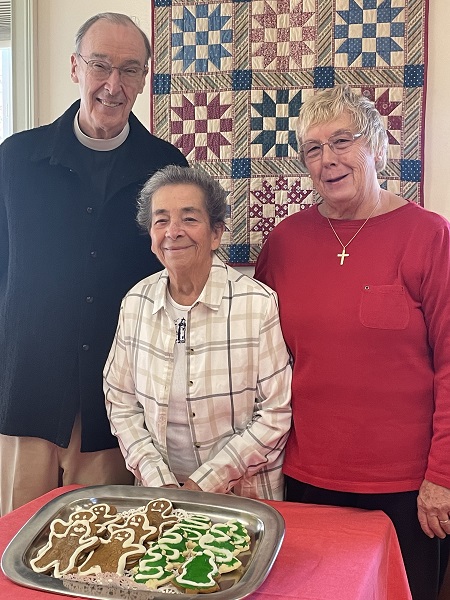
pixel 199 574
pixel 173 545
pixel 194 526
pixel 236 531
pixel 157 545
pixel 224 552
pixel 154 568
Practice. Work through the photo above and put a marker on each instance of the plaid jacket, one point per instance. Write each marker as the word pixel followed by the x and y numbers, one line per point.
pixel 237 389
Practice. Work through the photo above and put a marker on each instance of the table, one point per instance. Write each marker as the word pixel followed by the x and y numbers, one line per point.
pixel 328 553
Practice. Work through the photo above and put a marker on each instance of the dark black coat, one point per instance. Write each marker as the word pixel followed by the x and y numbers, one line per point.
pixel 66 261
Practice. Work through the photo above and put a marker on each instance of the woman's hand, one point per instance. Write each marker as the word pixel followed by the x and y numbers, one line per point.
pixel 433 508
pixel 191 485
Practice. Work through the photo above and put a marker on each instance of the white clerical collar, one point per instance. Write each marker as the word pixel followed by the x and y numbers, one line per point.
pixel 98 144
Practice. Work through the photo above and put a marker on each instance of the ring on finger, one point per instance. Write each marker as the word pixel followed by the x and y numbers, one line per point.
pixel 443 522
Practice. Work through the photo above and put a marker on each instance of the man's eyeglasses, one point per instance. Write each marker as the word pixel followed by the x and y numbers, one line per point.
pixel 101 70
pixel 339 143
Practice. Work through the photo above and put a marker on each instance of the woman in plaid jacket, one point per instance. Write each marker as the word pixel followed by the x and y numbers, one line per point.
pixel 197 382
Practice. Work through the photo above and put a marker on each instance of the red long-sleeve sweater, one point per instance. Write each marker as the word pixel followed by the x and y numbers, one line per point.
pixel 370 341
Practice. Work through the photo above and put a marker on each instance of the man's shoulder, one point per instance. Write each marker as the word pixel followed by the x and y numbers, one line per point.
pixel 20 148
pixel 163 145
pixel 160 148
pixel 28 140
pixel 24 139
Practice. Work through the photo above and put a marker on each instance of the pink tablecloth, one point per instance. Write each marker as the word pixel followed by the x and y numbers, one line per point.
pixel 328 553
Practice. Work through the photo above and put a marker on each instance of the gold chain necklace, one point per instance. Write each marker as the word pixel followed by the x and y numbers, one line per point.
pixel 343 255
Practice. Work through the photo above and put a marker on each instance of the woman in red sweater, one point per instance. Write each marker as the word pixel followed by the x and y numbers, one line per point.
pixel 363 279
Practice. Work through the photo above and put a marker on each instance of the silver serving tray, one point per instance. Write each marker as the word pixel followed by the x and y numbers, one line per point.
pixel 265 526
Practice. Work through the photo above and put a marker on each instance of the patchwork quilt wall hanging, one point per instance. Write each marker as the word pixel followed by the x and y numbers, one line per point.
pixel 230 76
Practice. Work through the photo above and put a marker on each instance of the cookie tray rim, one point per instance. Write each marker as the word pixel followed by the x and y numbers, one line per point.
pixel 270 522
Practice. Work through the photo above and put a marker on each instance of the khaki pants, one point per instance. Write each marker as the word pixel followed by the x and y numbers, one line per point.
pixel 30 467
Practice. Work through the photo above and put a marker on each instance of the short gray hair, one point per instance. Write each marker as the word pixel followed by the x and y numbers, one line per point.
pixel 118 19
pixel 213 193
pixel 331 104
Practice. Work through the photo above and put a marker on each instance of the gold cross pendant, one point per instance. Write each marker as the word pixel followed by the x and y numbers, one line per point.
pixel 343 255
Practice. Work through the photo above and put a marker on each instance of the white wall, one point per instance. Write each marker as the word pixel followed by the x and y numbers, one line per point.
pixel 58 21
pixel 437 116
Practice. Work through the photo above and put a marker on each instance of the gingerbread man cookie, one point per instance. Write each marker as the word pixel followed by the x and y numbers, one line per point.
pixel 159 513
pixel 114 554
pixel 106 514
pixel 63 550
pixel 98 514
pixel 144 532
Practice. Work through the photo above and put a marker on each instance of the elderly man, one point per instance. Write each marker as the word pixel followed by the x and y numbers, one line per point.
pixel 69 250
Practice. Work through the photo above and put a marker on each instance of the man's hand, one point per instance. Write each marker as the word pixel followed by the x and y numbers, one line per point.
pixel 433 508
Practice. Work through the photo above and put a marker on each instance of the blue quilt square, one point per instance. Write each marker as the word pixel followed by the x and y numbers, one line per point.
pixel 397 30
pixel 201 38
pixel 410 170
pixel 413 76
pixel 239 253
pixel 161 83
pixel 354 46
pixel 282 123
pixel 369 59
pixel 201 65
pixel 201 12
pixel 241 80
pixel 226 36
pixel 281 150
pixel 256 123
pixel 188 53
pixel 355 15
pixel 294 105
pixel 341 32
pixel 282 96
pixel 240 168
pixel 163 3
pixel 323 77
pixel 292 139
pixel 177 39
pixel 369 30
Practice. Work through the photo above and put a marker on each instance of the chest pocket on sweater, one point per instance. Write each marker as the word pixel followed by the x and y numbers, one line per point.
pixel 384 307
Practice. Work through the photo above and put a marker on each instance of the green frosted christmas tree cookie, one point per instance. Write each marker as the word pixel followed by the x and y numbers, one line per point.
pixel 154 568
pixel 199 573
